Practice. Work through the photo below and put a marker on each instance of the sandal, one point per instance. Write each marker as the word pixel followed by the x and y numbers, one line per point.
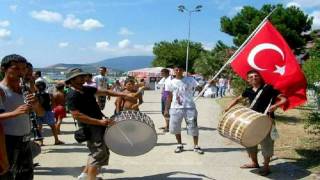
pixel 179 149
pixel 165 130
pixel 249 166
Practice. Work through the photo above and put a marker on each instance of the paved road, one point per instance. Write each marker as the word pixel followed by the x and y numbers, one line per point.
pixel 221 160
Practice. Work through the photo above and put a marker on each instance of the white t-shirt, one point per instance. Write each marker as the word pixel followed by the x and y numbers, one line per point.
pixel 162 83
pixel 101 81
pixel 182 91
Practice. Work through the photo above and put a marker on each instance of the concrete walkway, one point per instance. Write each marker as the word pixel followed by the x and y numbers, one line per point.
pixel 221 160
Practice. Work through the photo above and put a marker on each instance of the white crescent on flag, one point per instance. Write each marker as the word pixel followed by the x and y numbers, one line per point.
pixel 261 47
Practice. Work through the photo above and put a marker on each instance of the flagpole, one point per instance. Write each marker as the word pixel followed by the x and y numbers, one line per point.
pixel 234 55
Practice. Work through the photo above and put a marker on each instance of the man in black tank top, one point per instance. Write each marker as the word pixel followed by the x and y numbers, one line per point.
pixel 268 95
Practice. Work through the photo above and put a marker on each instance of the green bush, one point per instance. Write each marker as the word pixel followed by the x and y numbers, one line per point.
pixel 312 123
pixel 238 85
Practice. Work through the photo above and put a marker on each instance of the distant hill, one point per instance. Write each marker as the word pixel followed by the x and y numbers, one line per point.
pixel 119 64
pixel 126 63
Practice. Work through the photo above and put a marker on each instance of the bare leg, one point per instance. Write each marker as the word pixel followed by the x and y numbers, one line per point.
pixel 92 172
pixel 178 138
pixel 59 121
pixel 266 167
pixel 195 140
pixel 55 135
pixel 254 161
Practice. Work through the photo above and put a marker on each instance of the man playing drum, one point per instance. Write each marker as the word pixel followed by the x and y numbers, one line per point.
pixel 267 95
pixel 84 108
pixel 181 104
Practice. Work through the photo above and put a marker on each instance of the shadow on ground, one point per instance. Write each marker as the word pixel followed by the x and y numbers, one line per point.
pixel 167 176
pixel 72 171
pixel 285 171
pixel 214 150
pixel 309 158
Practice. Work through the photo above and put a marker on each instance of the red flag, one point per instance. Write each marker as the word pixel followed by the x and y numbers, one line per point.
pixel 269 53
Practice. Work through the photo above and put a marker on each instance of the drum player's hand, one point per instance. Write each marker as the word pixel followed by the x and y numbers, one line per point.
pixel 107 122
pixel 272 108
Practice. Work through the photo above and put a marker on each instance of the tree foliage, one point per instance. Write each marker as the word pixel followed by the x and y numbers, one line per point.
pixel 311 67
pixel 290 22
pixel 168 54
pixel 209 62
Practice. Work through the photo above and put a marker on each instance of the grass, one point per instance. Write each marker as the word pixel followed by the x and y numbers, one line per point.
pixel 294 143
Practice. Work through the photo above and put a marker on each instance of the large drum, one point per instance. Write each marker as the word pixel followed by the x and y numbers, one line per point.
pixel 132 134
pixel 244 126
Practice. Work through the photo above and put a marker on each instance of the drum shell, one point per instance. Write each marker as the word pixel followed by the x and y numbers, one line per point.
pixel 244 126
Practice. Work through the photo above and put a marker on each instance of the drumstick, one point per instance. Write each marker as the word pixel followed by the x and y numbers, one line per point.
pixel 125 136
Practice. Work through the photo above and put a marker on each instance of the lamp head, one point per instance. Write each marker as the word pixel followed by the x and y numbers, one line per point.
pixel 181 8
pixel 198 8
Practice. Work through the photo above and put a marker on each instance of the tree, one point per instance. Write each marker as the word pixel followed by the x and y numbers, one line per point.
pixel 209 62
pixel 290 22
pixel 169 54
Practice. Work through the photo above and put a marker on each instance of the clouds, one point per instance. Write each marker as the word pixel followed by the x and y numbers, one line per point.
pixel 4 32
pixel 124 44
pixel 123 47
pixel 102 46
pixel 125 32
pixel 304 3
pixel 63 44
pixel 46 16
pixel 70 21
pixel 316 19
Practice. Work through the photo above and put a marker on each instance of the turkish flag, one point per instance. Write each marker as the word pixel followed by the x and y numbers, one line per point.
pixel 268 53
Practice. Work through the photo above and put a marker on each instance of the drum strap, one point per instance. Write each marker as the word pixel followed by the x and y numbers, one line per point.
pixel 257 96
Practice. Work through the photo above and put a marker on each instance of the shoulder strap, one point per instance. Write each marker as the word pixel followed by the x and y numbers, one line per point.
pixel 257 96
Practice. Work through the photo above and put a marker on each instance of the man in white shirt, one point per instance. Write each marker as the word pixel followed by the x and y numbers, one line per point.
pixel 182 106
pixel 166 78
pixel 101 81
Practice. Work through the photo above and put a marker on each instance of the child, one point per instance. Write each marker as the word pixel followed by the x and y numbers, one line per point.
pixel 48 118
pixel 58 103
pixel 129 103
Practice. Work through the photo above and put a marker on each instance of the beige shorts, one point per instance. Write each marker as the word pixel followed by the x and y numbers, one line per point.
pixel 267 146
pixel 99 153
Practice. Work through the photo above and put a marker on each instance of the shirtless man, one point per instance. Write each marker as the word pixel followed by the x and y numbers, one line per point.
pixel 123 103
pixel 58 103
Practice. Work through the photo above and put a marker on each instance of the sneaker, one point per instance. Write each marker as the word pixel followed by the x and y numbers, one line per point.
pixel 83 176
pixel 179 148
pixel 198 150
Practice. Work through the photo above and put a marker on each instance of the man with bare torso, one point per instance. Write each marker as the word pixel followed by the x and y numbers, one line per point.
pixel 58 102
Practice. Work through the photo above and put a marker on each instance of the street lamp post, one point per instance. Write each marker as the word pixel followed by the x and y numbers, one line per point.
pixel 182 8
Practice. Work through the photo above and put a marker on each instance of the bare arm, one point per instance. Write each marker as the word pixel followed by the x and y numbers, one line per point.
pixel 282 100
pixel 234 102
pixel 88 120
pixel 168 104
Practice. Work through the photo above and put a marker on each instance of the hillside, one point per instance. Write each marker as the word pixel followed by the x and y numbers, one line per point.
pixel 126 63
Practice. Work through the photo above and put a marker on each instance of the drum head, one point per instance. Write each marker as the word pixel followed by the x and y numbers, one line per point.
pixel 256 131
pixel 130 138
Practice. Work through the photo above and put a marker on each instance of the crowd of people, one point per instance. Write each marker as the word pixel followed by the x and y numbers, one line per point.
pixel 24 94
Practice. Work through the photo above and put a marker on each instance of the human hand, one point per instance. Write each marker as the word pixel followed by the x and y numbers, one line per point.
pixel 272 108
pixel 107 122
pixel 22 109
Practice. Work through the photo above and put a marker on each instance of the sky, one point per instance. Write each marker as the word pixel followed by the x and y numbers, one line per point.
pixel 48 32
